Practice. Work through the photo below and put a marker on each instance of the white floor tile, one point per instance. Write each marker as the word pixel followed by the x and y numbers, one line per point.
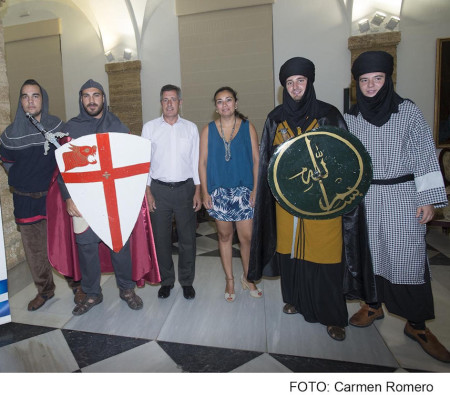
pixel 114 317
pixel 291 334
pixel 55 312
pixel 206 244
pixel 48 352
pixel 148 358
pixel 408 353
pixel 206 228
pixel 211 321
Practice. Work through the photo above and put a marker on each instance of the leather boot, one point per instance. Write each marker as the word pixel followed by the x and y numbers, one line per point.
pixel 428 342
pixel 366 316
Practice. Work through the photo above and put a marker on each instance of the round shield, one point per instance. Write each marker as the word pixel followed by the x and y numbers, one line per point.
pixel 320 174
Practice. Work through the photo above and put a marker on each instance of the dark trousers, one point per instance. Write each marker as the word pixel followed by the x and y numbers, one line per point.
pixel 175 201
pixel 34 240
pixel 89 260
pixel 411 301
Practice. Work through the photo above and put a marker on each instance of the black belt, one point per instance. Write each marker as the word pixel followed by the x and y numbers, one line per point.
pixel 34 195
pixel 171 184
pixel 392 181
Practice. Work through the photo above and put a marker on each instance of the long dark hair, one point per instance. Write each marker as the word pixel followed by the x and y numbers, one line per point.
pixel 234 94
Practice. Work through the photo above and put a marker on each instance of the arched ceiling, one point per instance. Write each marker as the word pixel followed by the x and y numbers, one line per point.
pixel 120 24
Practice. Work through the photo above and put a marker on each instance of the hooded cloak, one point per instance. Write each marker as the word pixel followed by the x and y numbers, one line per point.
pixel 23 134
pixel 84 124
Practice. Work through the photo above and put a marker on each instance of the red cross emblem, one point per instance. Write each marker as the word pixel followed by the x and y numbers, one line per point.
pixel 117 167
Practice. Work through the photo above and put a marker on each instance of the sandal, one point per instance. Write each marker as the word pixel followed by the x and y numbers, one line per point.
pixel 79 295
pixel 289 309
pixel 134 302
pixel 336 333
pixel 256 293
pixel 88 303
pixel 229 297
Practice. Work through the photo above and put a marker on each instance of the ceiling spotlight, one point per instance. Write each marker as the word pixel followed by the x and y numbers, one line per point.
pixel 364 25
pixel 393 22
pixel 127 54
pixel 109 56
pixel 378 18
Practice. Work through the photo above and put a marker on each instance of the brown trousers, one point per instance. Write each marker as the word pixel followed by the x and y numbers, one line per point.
pixel 34 240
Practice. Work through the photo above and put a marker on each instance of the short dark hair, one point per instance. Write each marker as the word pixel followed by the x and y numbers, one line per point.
pixel 30 82
pixel 170 87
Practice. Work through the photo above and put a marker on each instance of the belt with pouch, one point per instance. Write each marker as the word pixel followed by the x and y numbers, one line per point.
pixel 33 195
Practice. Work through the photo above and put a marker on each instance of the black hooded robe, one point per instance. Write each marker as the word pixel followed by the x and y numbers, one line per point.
pixel 323 305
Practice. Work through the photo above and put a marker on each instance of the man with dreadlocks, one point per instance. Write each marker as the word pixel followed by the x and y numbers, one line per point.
pixel 312 277
pixel 407 185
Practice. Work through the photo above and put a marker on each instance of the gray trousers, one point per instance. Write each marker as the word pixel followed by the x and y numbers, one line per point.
pixel 175 201
pixel 34 240
pixel 88 257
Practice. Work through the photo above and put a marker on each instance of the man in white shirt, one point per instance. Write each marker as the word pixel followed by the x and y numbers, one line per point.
pixel 173 188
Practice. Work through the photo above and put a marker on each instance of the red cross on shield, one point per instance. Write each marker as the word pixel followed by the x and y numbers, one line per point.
pixel 106 178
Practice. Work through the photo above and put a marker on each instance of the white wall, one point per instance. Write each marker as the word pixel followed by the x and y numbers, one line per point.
pixel 417 52
pixel 317 30
pixel 160 55
pixel 81 48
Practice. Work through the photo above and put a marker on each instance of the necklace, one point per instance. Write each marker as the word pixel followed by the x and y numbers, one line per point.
pixel 227 144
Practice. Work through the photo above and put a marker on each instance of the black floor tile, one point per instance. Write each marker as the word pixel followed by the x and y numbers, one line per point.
pixel 317 365
pixel 89 348
pixel 13 332
pixel 192 358
pixel 216 253
pixel 440 259
pixel 431 248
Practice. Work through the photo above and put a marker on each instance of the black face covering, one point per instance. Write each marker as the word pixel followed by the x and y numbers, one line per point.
pixel 299 113
pixel 378 109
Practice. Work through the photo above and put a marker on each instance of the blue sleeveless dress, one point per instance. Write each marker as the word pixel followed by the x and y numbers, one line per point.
pixel 230 182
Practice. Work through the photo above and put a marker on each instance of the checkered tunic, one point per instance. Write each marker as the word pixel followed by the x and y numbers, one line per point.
pixel 403 145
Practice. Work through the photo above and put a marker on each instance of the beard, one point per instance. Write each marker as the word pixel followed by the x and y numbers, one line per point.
pixel 93 110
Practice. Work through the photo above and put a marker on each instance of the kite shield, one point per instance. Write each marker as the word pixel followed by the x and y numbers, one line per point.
pixel 106 176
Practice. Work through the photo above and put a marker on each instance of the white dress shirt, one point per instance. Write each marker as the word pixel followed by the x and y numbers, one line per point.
pixel 175 150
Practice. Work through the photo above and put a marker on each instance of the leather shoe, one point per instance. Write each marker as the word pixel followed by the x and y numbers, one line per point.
pixel 39 301
pixel 188 291
pixel 428 342
pixel 366 316
pixel 164 291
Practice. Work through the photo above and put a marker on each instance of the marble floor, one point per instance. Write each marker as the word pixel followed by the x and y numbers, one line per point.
pixel 208 334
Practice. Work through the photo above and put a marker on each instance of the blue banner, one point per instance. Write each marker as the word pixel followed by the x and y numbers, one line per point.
pixel 5 313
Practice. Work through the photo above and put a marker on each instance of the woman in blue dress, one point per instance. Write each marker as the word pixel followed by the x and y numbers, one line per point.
pixel 228 171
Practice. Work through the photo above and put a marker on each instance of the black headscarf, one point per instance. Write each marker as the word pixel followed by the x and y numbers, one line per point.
pixel 378 109
pixel 84 124
pixel 22 134
pixel 299 113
